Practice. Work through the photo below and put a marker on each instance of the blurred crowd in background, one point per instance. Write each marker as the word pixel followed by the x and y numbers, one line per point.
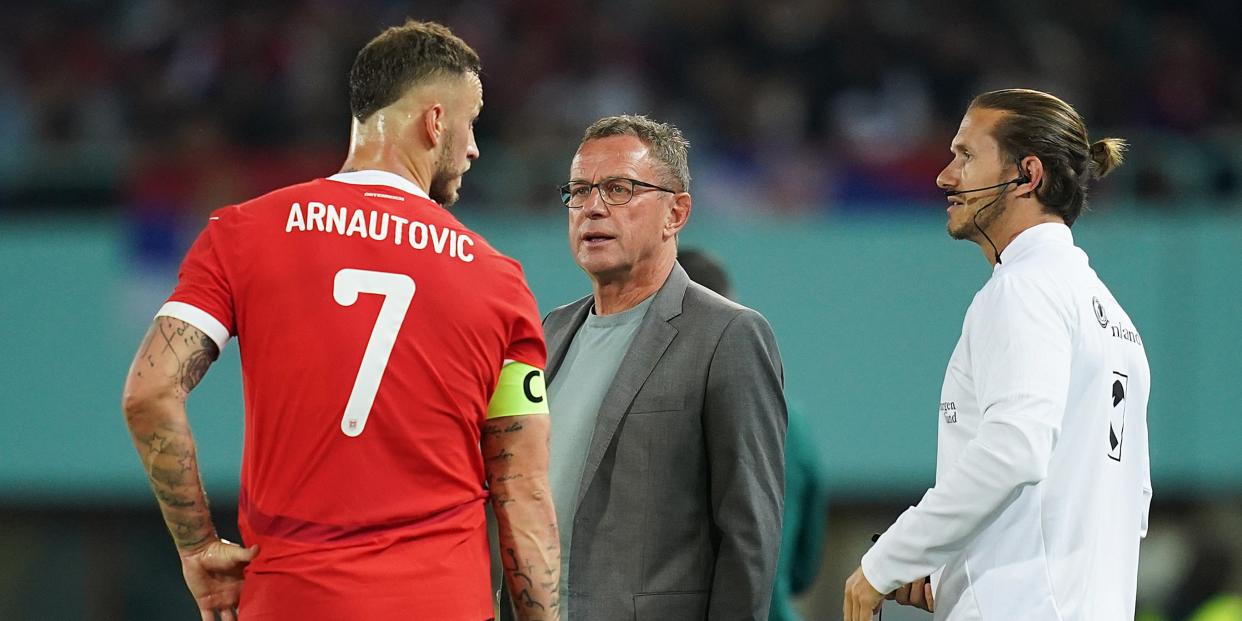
pixel 168 108
pixel 162 110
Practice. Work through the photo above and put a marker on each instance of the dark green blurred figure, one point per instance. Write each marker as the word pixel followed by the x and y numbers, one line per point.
pixel 806 506
pixel 806 484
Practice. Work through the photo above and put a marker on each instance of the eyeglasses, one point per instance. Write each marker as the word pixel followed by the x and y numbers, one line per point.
pixel 614 191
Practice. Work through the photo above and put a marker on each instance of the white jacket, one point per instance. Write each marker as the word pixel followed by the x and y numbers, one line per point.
pixel 1042 477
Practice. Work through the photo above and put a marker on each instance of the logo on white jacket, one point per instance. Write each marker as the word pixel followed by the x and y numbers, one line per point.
pixel 1100 316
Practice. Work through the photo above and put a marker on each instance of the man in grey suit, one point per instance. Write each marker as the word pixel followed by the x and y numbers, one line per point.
pixel 667 461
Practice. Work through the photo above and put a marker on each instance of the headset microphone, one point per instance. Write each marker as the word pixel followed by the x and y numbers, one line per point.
pixel 1020 179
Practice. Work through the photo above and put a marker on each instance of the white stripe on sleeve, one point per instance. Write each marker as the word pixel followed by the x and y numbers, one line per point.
pixel 198 318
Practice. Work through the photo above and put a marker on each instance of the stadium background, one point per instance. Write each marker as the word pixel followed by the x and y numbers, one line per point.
pixel 817 130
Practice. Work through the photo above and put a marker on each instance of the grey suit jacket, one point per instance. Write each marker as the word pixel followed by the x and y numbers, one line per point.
pixel 679 509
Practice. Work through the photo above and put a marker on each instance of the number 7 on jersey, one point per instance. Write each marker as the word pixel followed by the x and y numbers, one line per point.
pixel 398 290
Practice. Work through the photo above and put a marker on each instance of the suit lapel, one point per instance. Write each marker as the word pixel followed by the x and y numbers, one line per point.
pixel 652 339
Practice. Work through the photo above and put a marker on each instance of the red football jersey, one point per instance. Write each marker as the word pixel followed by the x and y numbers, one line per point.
pixel 373 327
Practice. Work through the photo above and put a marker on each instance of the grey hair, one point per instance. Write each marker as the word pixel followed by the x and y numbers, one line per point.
pixel 667 145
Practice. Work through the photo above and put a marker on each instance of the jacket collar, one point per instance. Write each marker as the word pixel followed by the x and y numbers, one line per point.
pixel 654 335
pixel 1048 233
pixel 665 306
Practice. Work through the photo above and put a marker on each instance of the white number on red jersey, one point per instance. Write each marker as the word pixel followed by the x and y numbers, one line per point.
pixel 398 290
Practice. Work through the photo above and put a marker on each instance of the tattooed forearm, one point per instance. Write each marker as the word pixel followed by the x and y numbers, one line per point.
pixel 170 363
pixel 525 599
pixel 170 477
pixel 172 471
pixel 533 599
pixel 496 427
pixel 515 452
pixel 502 455
pixel 172 500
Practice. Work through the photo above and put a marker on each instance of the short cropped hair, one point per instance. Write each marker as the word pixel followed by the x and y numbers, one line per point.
pixel 666 144
pixel 1043 125
pixel 402 57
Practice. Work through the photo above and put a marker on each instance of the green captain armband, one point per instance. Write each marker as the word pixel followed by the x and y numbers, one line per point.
pixel 520 391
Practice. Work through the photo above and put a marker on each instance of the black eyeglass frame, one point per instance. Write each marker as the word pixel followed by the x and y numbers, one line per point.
pixel 566 196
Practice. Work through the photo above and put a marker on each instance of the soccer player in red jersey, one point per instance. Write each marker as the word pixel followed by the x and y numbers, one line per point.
pixel 392 361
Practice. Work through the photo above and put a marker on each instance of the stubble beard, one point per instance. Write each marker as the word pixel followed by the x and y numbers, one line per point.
pixel 441 190
pixel 984 217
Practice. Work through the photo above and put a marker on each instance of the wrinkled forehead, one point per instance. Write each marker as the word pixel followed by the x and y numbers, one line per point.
pixel 611 156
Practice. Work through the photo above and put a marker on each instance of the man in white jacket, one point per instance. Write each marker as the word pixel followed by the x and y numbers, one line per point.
pixel 1042 477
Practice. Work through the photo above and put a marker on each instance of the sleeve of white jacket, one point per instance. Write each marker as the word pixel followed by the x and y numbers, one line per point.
pixel 1019 341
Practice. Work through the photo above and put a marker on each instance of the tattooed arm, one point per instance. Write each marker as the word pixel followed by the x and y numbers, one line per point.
pixel 515 450
pixel 172 359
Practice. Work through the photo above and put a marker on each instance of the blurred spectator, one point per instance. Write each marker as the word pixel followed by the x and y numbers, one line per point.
pixel 794 106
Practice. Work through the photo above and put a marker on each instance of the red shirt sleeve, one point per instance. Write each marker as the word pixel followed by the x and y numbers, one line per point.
pixel 526 343
pixel 202 297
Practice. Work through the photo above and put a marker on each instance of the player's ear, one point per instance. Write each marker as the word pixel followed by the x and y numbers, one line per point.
pixel 433 123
